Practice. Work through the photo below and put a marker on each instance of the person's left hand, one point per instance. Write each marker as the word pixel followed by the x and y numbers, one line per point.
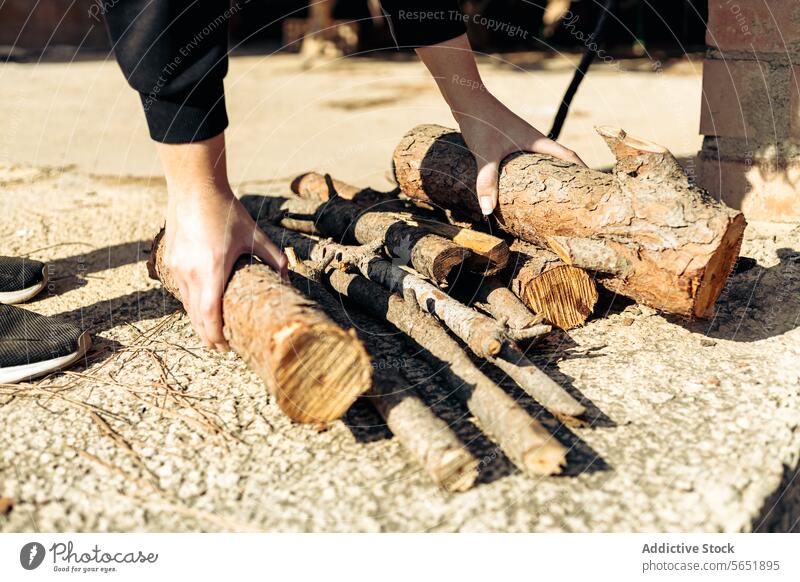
pixel 496 133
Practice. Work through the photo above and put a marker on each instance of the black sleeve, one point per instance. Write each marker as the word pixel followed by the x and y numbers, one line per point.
pixel 416 23
pixel 174 53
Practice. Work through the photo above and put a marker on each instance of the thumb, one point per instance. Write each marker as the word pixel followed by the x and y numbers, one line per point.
pixel 486 187
pixel 268 252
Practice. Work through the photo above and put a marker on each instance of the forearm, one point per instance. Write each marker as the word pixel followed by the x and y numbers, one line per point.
pixel 452 64
pixel 207 231
pixel 193 170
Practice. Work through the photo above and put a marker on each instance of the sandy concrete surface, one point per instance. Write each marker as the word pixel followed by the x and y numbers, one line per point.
pixel 692 426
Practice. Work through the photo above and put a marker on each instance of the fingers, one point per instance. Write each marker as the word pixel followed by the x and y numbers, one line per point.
pixel 186 288
pixel 202 283
pixel 486 186
pixel 202 300
pixel 549 147
pixel 210 312
pixel 268 252
pixel 189 307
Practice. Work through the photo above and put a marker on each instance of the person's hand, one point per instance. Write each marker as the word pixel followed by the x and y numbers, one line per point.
pixel 493 132
pixel 207 230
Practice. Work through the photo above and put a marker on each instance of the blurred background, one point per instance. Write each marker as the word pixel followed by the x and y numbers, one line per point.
pixel 668 26
pixel 321 86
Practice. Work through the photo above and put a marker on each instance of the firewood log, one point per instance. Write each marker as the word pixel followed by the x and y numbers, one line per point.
pixel 484 336
pixel 563 294
pixel 522 438
pixel 490 252
pixel 431 255
pixel 314 186
pixel 313 368
pixel 675 243
pixel 426 436
pixel 526 442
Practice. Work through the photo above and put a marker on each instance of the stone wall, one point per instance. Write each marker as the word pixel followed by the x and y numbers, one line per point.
pixel 750 112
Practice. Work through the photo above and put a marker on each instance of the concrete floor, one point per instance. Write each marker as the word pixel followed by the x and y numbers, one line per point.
pixel 694 426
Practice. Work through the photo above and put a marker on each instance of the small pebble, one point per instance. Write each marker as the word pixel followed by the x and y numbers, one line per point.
pixel 6 505
pixel 705 342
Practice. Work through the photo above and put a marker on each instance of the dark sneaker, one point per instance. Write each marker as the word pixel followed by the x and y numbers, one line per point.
pixel 20 279
pixel 33 345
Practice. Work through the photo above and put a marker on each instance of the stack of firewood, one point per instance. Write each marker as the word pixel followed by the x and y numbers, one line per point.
pixel 423 260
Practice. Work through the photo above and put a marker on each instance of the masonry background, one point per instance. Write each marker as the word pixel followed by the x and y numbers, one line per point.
pixel 750 110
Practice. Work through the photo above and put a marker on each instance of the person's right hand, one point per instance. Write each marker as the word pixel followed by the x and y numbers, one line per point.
pixel 492 132
pixel 207 230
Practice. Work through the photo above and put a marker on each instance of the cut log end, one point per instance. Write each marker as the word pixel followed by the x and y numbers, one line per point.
pixel 448 263
pixel 321 373
pixel 548 459
pixel 438 259
pixel 314 369
pixel 718 268
pixel 564 295
pixel 458 470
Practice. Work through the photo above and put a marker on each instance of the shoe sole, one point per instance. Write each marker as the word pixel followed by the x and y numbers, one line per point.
pixel 16 374
pixel 23 295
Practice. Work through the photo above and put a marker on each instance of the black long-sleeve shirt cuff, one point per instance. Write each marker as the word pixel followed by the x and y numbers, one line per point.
pixel 194 116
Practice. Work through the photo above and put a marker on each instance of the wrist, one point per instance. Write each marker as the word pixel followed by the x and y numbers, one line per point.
pixel 199 191
pixel 462 91
pixel 476 106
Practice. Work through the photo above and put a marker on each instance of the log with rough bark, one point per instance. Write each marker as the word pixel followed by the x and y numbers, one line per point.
pixel 431 255
pixel 426 436
pixel 523 439
pixel 675 243
pixel 315 186
pixel 563 294
pixel 586 253
pixel 490 253
pixel 313 368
